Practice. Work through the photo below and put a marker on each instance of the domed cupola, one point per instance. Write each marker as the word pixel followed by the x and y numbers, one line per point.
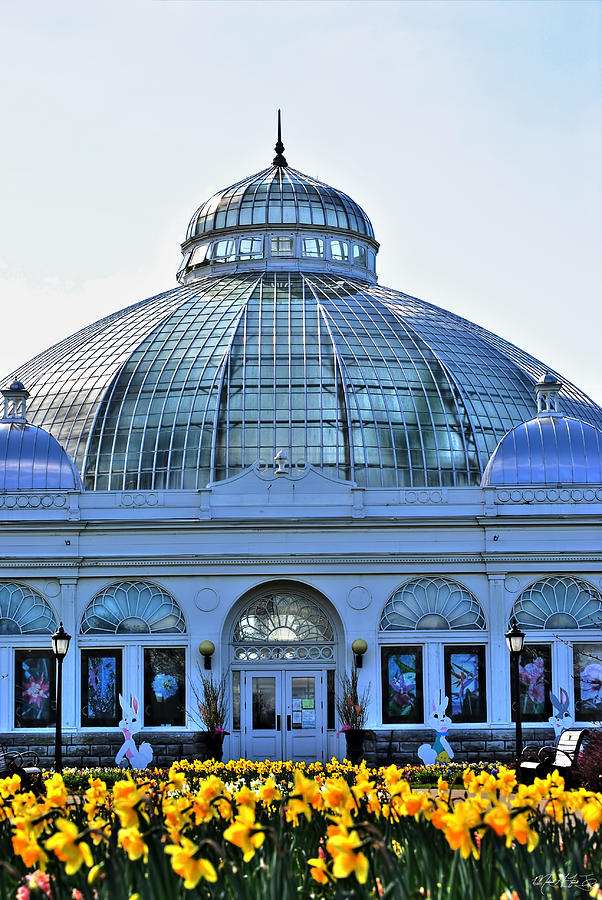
pixel 279 218
pixel 30 458
pixel 549 449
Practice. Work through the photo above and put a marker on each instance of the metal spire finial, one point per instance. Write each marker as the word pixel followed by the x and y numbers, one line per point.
pixel 279 159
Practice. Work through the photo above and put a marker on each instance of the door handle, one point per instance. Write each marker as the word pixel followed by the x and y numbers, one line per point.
pixel 277 723
pixel 288 723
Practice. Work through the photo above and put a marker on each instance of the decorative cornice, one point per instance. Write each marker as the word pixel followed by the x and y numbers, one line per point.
pixel 33 501
pixel 549 495
pixel 299 560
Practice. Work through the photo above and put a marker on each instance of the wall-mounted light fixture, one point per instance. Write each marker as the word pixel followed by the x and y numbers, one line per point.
pixel 359 647
pixel 207 649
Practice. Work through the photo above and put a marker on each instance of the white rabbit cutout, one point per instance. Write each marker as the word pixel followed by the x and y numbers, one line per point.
pixel 131 723
pixel 439 750
pixel 561 718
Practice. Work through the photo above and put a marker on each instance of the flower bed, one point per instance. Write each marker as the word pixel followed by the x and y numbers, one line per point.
pixel 248 831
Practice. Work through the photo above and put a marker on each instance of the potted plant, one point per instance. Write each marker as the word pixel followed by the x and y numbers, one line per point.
pixel 211 699
pixel 352 712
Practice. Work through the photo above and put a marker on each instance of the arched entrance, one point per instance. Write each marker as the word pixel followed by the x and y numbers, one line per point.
pixel 283 647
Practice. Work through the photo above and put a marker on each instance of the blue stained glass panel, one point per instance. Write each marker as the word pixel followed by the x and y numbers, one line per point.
pixel 402 684
pixel 101 686
pixel 465 683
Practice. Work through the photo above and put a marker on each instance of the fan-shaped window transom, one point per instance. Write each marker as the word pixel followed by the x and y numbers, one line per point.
pixel 559 602
pixel 133 607
pixel 283 617
pixel 432 603
pixel 24 611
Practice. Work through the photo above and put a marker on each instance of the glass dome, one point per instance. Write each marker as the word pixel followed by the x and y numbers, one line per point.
pixel 279 195
pixel 364 382
pixel 547 450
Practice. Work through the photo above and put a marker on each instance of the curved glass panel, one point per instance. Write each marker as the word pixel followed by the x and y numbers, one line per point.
pixel 436 603
pixel 133 607
pixel 279 196
pixel 365 383
pixel 283 616
pixel 24 611
pixel 559 602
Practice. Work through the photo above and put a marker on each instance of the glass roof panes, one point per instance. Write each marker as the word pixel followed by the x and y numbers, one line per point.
pixel 279 196
pixel 361 381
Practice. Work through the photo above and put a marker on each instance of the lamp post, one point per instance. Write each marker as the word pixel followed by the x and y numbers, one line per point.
pixel 515 639
pixel 60 645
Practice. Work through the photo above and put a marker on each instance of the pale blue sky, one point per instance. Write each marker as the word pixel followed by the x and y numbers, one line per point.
pixel 470 133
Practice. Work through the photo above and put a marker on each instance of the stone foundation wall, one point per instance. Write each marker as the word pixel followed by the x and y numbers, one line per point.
pixel 100 749
pixel 381 747
pixel 486 744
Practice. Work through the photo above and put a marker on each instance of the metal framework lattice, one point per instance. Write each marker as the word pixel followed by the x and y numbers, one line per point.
pixel 133 607
pixel 559 602
pixel 283 617
pixel 24 611
pixel 432 603
pixel 279 196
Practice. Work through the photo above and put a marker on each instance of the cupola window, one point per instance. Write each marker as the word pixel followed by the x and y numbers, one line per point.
pixel 359 255
pixel 199 254
pixel 223 251
pixel 339 250
pixel 251 248
pixel 282 246
pixel 313 247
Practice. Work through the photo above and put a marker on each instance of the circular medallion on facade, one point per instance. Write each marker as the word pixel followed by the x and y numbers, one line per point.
pixel 359 598
pixel 52 589
pixel 206 599
pixel 512 583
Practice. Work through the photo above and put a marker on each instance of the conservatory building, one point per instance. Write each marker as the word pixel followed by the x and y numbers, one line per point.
pixel 273 460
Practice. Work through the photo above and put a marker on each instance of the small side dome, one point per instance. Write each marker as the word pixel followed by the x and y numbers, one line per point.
pixel 549 449
pixel 31 459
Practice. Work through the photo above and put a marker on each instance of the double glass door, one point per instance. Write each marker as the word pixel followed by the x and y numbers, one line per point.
pixel 283 715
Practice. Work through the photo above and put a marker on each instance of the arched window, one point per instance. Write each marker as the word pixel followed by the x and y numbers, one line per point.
pixel 559 602
pixel 24 611
pixel 283 623
pixel 133 607
pixel 432 603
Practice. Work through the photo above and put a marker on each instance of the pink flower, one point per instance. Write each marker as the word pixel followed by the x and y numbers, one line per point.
pixel 23 893
pixel 39 879
pixel 591 682
pixel 533 675
pixel 36 690
pixel 77 895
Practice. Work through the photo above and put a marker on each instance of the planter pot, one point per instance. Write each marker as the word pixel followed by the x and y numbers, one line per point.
pixel 215 745
pixel 354 738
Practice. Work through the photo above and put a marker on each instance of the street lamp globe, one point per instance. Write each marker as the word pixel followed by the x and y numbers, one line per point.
pixel 515 639
pixel 60 642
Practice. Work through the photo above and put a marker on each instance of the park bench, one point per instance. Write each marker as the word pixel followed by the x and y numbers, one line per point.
pixel 537 762
pixel 23 763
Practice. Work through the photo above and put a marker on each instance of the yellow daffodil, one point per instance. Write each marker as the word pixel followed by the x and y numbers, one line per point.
pixel 347 858
pixel 245 833
pixel 318 871
pixel 68 848
pixel 133 843
pixel 56 792
pixel 189 865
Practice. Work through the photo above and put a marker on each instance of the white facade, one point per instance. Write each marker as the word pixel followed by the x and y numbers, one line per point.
pixel 209 550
